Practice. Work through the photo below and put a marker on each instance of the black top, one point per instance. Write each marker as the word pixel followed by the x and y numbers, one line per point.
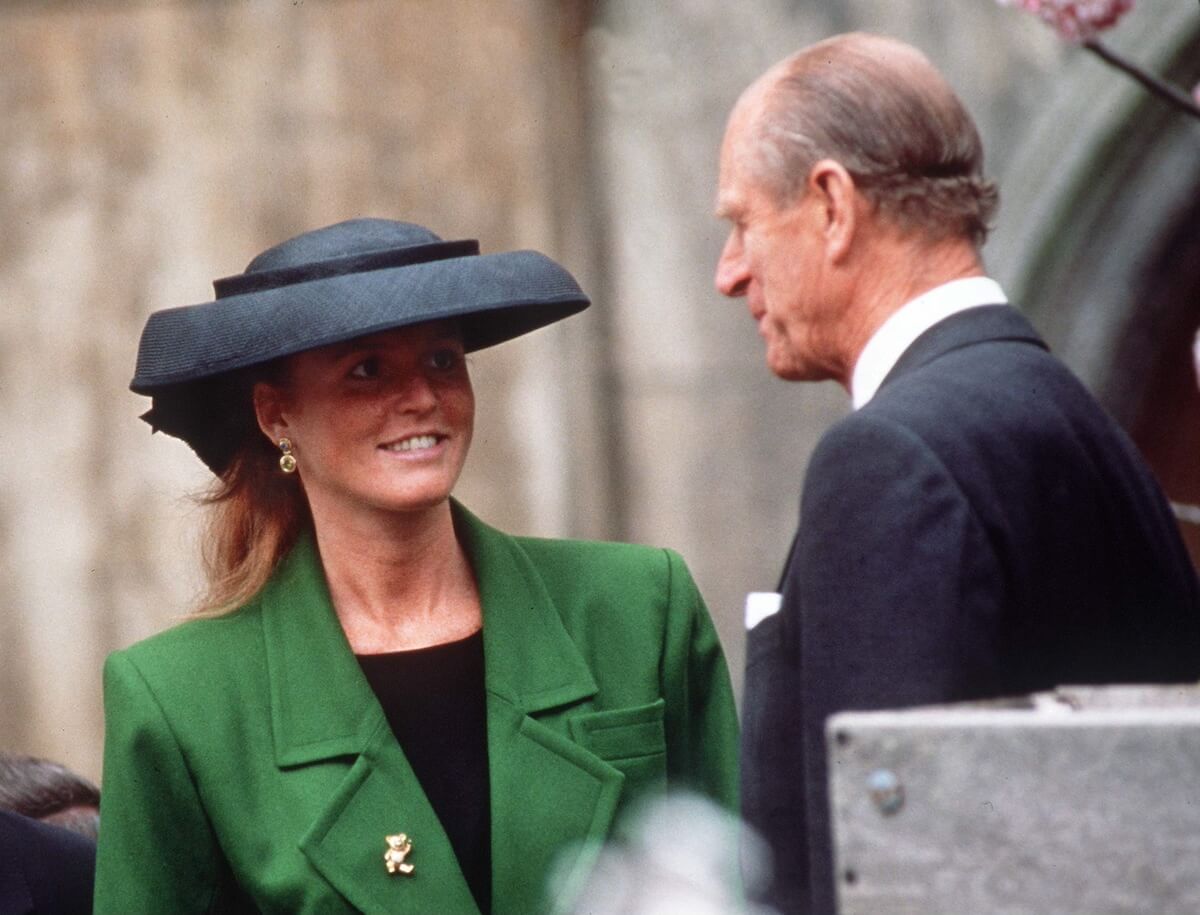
pixel 435 702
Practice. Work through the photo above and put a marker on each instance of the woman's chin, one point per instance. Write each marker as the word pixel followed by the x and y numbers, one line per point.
pixel 415 502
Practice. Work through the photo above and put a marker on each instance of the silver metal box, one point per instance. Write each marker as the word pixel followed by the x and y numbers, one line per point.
pixel 1085 800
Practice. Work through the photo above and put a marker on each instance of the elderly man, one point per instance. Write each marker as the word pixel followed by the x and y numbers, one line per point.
pixel 978 526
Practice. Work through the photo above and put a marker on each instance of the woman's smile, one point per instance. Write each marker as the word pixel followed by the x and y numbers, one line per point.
pixel 413 443
pixel 417 447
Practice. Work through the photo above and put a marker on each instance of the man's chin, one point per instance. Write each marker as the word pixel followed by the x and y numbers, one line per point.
pixel 784 365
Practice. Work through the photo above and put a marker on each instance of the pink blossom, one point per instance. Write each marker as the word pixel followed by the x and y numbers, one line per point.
pixel 1076 20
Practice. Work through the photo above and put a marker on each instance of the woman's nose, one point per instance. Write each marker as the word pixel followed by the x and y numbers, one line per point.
pixel 414 394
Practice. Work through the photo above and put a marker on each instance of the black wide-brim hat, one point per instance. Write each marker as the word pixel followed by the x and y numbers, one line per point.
pixel 333 284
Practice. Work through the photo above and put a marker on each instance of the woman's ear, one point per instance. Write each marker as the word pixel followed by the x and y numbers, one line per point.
pixel 269 411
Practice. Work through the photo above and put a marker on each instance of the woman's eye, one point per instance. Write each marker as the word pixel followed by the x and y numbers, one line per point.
pixel 444 359
pixel 368 368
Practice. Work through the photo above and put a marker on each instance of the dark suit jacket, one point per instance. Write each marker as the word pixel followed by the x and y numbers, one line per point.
pixel 249 767
pixel 44 869
pixel 981 528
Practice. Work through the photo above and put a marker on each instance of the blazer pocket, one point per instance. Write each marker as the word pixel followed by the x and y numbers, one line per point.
pixel 632 740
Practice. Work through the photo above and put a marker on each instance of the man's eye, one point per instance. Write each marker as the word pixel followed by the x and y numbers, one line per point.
pixel 368 368
pixel 444 359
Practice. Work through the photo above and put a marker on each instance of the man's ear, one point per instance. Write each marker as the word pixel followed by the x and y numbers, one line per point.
pixel 269 411
pixel 834 191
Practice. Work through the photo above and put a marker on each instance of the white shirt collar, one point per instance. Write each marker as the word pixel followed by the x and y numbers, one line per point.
pixel 909 321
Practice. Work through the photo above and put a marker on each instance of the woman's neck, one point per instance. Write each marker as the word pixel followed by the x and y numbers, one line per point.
pixel 399 582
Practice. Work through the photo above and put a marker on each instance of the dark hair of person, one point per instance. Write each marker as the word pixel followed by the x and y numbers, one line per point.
pixel 50 792
pixel 882 111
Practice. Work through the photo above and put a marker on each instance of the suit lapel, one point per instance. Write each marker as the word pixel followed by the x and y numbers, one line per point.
pixel 985 324
pixel 323 713
pixel 550 797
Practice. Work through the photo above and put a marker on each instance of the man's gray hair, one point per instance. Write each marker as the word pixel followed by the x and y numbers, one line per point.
pixel 881 110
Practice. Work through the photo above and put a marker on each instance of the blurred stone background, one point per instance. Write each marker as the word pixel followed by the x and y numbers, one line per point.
pixel 149 147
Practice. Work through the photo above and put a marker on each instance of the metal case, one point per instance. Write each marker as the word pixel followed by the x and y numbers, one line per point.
pixel 1085 800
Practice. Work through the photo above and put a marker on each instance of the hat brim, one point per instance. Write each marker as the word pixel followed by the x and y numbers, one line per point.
pixel 496 297
pixel 193 361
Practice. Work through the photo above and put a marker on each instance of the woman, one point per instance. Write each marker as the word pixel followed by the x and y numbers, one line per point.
pixel 390 706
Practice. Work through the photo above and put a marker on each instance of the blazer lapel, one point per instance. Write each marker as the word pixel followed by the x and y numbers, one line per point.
pixel 323 715
pixel 985 324
pixel 380 797
pixel 552 801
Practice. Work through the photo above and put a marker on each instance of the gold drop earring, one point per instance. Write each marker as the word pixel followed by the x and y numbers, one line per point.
pixel 287 460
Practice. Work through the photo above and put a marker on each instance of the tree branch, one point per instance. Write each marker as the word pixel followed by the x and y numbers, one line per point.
pixel 1157 86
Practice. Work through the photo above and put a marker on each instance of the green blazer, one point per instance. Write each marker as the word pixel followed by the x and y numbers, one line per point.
pixel 249 767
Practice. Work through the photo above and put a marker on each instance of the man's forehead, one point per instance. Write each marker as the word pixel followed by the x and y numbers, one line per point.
pixel 738 183
pixel 743 129
pixel 724 175
pixel 731 196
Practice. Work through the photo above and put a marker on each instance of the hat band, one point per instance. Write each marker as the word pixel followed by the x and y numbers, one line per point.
pixel 260 280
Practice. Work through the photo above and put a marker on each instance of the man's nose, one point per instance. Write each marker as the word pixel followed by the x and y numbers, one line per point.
pixel 732 277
